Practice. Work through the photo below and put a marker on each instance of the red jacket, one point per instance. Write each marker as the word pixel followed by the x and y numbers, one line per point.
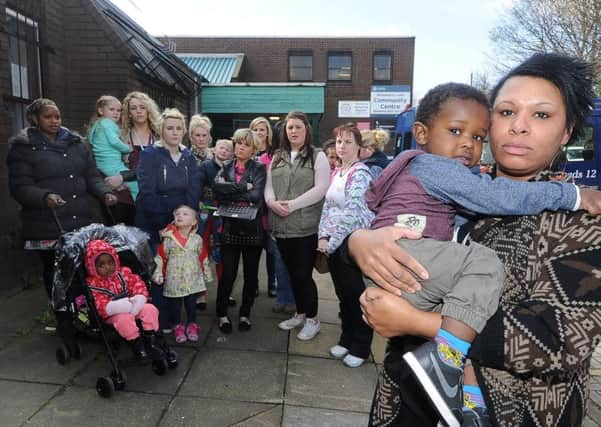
pixel 110 288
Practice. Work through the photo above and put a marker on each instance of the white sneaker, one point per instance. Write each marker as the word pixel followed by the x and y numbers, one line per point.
pixel 293 322
pixel 338 351
pixel 352 361
pixel 311 328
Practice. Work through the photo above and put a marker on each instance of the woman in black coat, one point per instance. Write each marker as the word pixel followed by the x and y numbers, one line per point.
pixel 52 175
pixel 241 182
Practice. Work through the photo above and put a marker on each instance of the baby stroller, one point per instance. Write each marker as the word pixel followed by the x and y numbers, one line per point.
pixel 74 306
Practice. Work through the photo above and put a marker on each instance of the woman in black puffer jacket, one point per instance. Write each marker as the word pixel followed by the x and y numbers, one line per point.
pixel 50 171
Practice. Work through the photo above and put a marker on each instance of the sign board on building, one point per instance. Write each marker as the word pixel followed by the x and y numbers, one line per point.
pixel 353 109
pixel 389 100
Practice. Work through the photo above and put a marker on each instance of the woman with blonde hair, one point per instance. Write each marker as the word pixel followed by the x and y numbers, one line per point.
pixel 167 177
pixel 371 153
pixel 199 133
pixel 240 182
pixel 139 124
pixel 262 130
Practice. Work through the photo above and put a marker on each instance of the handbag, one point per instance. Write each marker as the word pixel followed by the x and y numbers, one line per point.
pixel 321 262
pixel 243 232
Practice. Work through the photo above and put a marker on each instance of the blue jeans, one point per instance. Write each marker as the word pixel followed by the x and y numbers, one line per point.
pixel 284 289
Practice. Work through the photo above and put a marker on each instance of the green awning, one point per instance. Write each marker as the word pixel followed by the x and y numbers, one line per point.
pixel 216 68
pixel 259 98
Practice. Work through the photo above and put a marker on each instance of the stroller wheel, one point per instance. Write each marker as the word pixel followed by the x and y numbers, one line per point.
pixel 119 379
pixel 105 387
pixel 63 356
pixel 159 367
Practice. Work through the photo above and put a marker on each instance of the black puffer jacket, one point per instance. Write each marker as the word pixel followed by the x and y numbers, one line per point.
pixel 38 166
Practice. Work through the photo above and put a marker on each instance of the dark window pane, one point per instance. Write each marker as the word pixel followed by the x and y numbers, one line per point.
pixel 23 55
pixel 340 67
pixel 382 67
pixel 301 67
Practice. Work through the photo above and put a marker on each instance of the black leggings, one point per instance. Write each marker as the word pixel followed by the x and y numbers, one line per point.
pixel 174 309
pixel 230 258
pixel 348 282
pixel 298 254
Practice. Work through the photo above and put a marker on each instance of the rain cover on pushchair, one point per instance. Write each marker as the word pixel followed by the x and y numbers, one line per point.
pixel 70 250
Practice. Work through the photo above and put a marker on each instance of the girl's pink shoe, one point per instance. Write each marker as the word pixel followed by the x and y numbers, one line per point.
pixel 180 334
pixel 192 332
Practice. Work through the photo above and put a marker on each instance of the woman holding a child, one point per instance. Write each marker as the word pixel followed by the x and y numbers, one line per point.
pixel 532 359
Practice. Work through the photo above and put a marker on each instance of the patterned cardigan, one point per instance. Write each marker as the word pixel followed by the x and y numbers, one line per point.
pixel 532 359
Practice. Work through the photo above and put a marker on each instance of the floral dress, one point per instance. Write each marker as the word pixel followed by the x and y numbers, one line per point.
pixel 179 263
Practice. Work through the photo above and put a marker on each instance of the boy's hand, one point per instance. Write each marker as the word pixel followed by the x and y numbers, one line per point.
pixel 590 201
pixel 158 280
pixel 249 186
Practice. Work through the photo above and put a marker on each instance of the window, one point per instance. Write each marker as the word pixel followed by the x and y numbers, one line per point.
pixel 340 66
pixel 583 148
pixel 24 63
pixel 382 67
pixel 300 67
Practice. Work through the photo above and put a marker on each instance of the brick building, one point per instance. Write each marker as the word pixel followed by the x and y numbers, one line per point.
pixel 344 68
pixel 73 51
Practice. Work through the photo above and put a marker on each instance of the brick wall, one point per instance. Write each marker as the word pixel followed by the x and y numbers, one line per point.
pixel 81 59
pixel 266 60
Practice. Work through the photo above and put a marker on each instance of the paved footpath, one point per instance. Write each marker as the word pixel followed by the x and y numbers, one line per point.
pixel 264 377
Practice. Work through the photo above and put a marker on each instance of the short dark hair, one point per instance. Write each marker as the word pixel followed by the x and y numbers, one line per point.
pixel 431 103
pixel 573 77
pixel 329 143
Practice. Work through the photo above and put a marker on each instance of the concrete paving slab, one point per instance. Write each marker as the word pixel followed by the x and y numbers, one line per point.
pixel 270 418
pixel 329 384
pixel 21 400
pixel 83 407
pixel 263 336
pixel 32 358
pixel 325 287
pixel 140 378
pixel 318 346
pixel 19 314
pixel 328 311
pixel 195 411
pixel 297 416
pixel 237 375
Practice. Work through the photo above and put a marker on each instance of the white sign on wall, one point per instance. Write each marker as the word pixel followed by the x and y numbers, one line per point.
pixel 389 100
pixel 353 109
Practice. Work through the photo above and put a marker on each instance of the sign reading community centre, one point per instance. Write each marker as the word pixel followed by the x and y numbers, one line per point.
pixel 389 100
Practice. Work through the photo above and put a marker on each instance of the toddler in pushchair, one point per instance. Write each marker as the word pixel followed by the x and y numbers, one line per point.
pixel 104 293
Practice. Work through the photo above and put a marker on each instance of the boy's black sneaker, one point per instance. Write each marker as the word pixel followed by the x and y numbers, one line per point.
pixel 476 417
pixel 442 383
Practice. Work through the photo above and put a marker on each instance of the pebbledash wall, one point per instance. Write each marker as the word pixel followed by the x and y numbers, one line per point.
pixel 266 59
pixel 71 51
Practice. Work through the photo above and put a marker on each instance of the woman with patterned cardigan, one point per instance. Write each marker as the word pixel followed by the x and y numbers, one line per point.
pixel 532 359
